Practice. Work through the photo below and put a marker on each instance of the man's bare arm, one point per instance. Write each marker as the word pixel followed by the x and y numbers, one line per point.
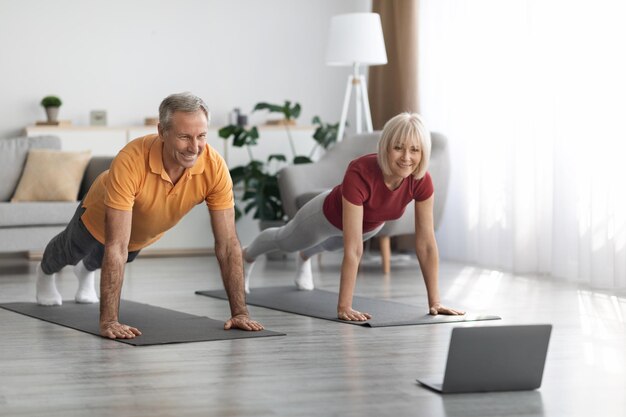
pixel 117 236
pixel 228 253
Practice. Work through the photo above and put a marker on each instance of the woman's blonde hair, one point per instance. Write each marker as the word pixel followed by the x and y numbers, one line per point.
pixel 403 128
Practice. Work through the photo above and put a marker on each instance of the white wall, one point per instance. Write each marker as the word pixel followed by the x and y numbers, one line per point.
pixel 126 56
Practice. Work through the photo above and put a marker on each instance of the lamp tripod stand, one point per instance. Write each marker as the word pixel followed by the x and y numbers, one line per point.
pixel 356 81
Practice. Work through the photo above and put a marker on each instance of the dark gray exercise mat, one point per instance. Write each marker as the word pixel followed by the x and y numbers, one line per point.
pixel 323 305
pixel 158 325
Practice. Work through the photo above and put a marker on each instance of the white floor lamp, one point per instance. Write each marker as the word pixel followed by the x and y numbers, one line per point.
pixel 356 39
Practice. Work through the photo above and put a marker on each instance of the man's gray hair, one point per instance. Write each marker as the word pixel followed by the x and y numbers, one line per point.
pixel 185 102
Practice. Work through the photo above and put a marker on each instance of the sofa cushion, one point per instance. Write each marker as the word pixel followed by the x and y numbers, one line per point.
pixel 13 156
pixel 51 175
pixel 97 165
pixel 36 213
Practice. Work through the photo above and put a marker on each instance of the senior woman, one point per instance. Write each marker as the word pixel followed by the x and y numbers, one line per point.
pixel 375 188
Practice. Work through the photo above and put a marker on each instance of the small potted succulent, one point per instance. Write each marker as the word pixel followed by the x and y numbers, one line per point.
pixel 51 104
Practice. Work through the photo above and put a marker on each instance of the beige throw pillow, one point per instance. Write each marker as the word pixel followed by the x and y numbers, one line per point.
pixel 51 175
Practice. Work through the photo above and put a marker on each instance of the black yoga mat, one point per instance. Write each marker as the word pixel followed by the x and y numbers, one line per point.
pixel 323 305
pixel 157 325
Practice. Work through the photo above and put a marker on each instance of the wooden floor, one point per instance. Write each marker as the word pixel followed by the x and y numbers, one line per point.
pixel 320 368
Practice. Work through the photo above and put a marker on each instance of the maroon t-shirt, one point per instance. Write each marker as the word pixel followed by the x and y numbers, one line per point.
pixel 363 185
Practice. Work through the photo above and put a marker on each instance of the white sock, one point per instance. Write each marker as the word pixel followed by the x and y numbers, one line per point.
pixel 248 267
pixel 47 293
pixel 304 277
pixel 86 292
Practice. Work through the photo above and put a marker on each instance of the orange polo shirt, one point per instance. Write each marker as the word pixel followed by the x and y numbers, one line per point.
pixel 138 182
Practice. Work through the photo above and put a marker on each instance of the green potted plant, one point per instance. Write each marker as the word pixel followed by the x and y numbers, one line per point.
pixel 260 188
pixel 290 113
pixel 51 104
pixel 325 134
pixel 258 178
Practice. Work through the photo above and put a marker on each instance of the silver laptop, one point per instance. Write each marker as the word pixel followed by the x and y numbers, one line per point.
pixel 494 358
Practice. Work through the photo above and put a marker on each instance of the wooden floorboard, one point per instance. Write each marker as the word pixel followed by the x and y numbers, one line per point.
pixel 320 368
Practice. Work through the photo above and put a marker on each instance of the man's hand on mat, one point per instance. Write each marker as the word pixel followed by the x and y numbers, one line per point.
pixel 352 315
pixel 243 322
pixel 439 309
pixel 116 330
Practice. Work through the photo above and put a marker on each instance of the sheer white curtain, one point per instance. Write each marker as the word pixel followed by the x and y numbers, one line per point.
pixel 532 97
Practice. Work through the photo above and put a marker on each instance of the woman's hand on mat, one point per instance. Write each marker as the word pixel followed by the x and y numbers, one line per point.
pixel 243 322
pixel 349 314
pixel 116 330
pixel 440 309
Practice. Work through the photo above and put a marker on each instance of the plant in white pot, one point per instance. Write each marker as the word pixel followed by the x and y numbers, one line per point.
pixel 51 104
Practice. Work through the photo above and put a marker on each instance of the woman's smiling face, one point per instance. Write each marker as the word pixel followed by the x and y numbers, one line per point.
pixel 404 157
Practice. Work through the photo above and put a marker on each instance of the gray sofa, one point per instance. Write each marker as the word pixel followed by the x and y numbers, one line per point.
pixel 29 226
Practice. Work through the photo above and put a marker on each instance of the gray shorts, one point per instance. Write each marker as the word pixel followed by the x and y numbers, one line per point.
pixel 74 244
pixel 309 232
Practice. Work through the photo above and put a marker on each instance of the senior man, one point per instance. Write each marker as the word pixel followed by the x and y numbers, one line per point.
pixel 152 183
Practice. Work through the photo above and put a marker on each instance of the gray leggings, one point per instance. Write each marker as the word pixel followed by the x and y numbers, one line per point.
pixel 309 232
pixel 74 244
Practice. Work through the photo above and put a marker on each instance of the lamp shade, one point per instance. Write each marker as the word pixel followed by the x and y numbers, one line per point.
pixel 356 38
